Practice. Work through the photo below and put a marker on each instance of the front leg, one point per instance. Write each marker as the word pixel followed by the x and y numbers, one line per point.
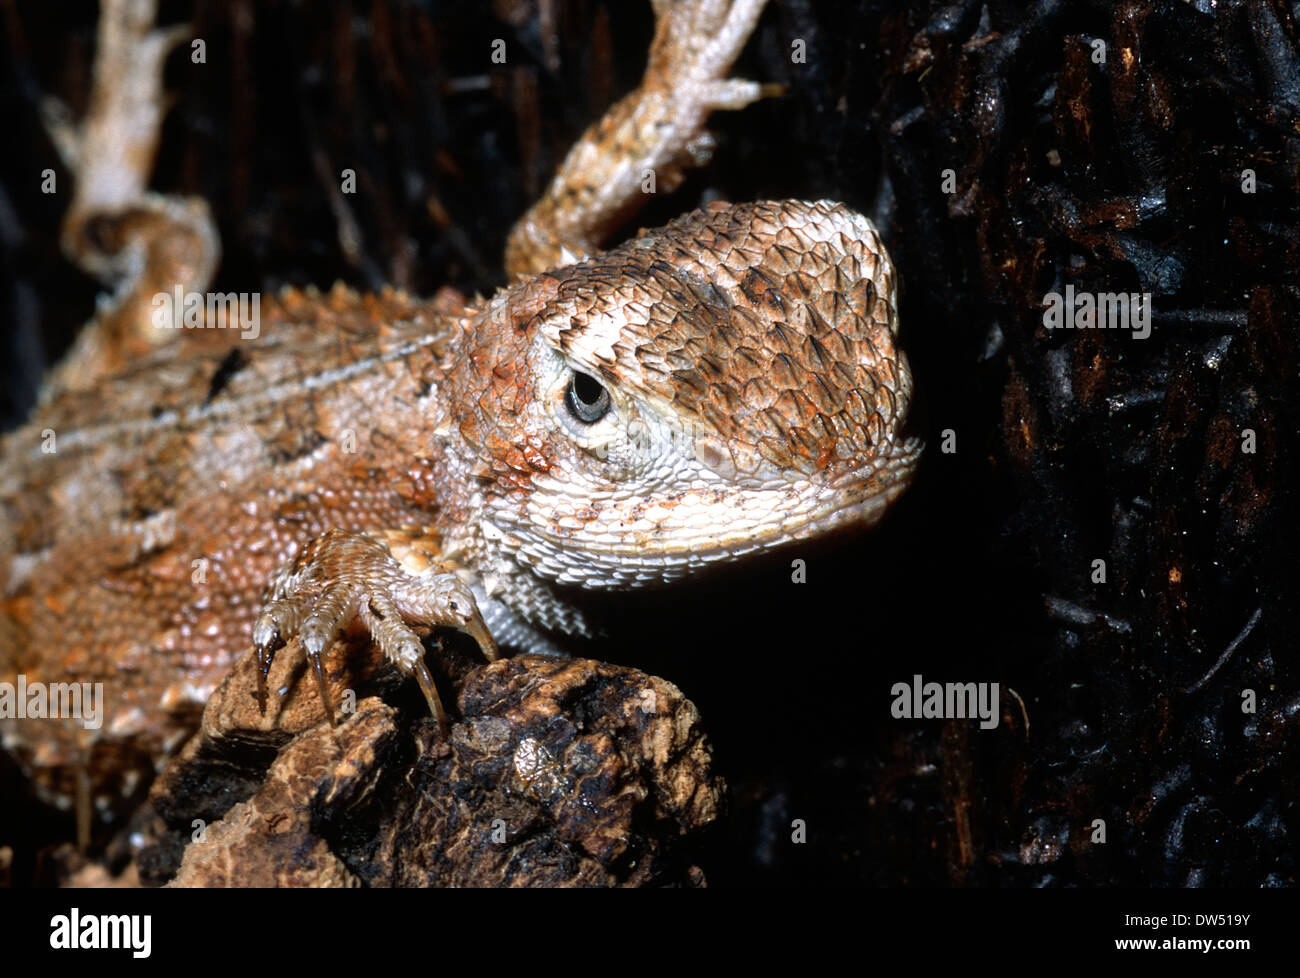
pixel 342 578
pixel 658 129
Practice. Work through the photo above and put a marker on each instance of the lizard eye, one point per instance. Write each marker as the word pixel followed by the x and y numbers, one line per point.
pixel 586 399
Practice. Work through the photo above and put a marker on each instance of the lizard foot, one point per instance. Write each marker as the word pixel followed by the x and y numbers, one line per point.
pixel 696 42
pixel 658 129
pixel 342 577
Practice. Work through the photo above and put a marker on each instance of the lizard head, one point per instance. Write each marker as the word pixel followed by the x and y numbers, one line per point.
pixel 722 385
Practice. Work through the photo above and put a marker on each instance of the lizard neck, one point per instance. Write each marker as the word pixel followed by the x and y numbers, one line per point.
pixel 452 467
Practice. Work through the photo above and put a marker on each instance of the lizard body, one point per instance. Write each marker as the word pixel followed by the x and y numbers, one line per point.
pixel 723 385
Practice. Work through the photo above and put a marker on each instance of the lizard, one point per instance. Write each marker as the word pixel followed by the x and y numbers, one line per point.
pixel 721 386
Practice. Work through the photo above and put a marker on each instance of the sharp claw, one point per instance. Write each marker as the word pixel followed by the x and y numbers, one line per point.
pixel 477 630
pixel 319 668
pixel 263 667
pixel 431 695
pixel 266 640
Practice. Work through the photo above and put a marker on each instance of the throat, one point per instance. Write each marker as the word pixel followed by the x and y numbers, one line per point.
pixel 528 614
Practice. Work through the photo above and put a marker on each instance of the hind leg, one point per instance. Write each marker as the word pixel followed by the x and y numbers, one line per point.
pixel 139 244
pixel 655 133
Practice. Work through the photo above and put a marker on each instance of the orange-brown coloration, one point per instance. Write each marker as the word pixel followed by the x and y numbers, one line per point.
pixel 383 462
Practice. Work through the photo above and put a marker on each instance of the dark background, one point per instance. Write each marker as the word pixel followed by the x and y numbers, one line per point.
pixel 1071 446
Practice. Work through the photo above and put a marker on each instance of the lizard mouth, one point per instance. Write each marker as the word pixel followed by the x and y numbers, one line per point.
pixel 746 520
pixel 646 541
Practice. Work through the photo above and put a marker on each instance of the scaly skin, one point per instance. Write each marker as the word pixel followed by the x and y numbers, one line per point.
pixel 723 385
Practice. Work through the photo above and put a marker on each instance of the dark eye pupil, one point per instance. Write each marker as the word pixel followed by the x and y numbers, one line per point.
pixel 587 400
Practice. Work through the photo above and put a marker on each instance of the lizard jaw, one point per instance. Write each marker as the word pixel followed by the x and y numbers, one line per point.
pixel 634 541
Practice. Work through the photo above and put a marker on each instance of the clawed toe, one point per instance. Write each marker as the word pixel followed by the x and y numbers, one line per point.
pixel 345 577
